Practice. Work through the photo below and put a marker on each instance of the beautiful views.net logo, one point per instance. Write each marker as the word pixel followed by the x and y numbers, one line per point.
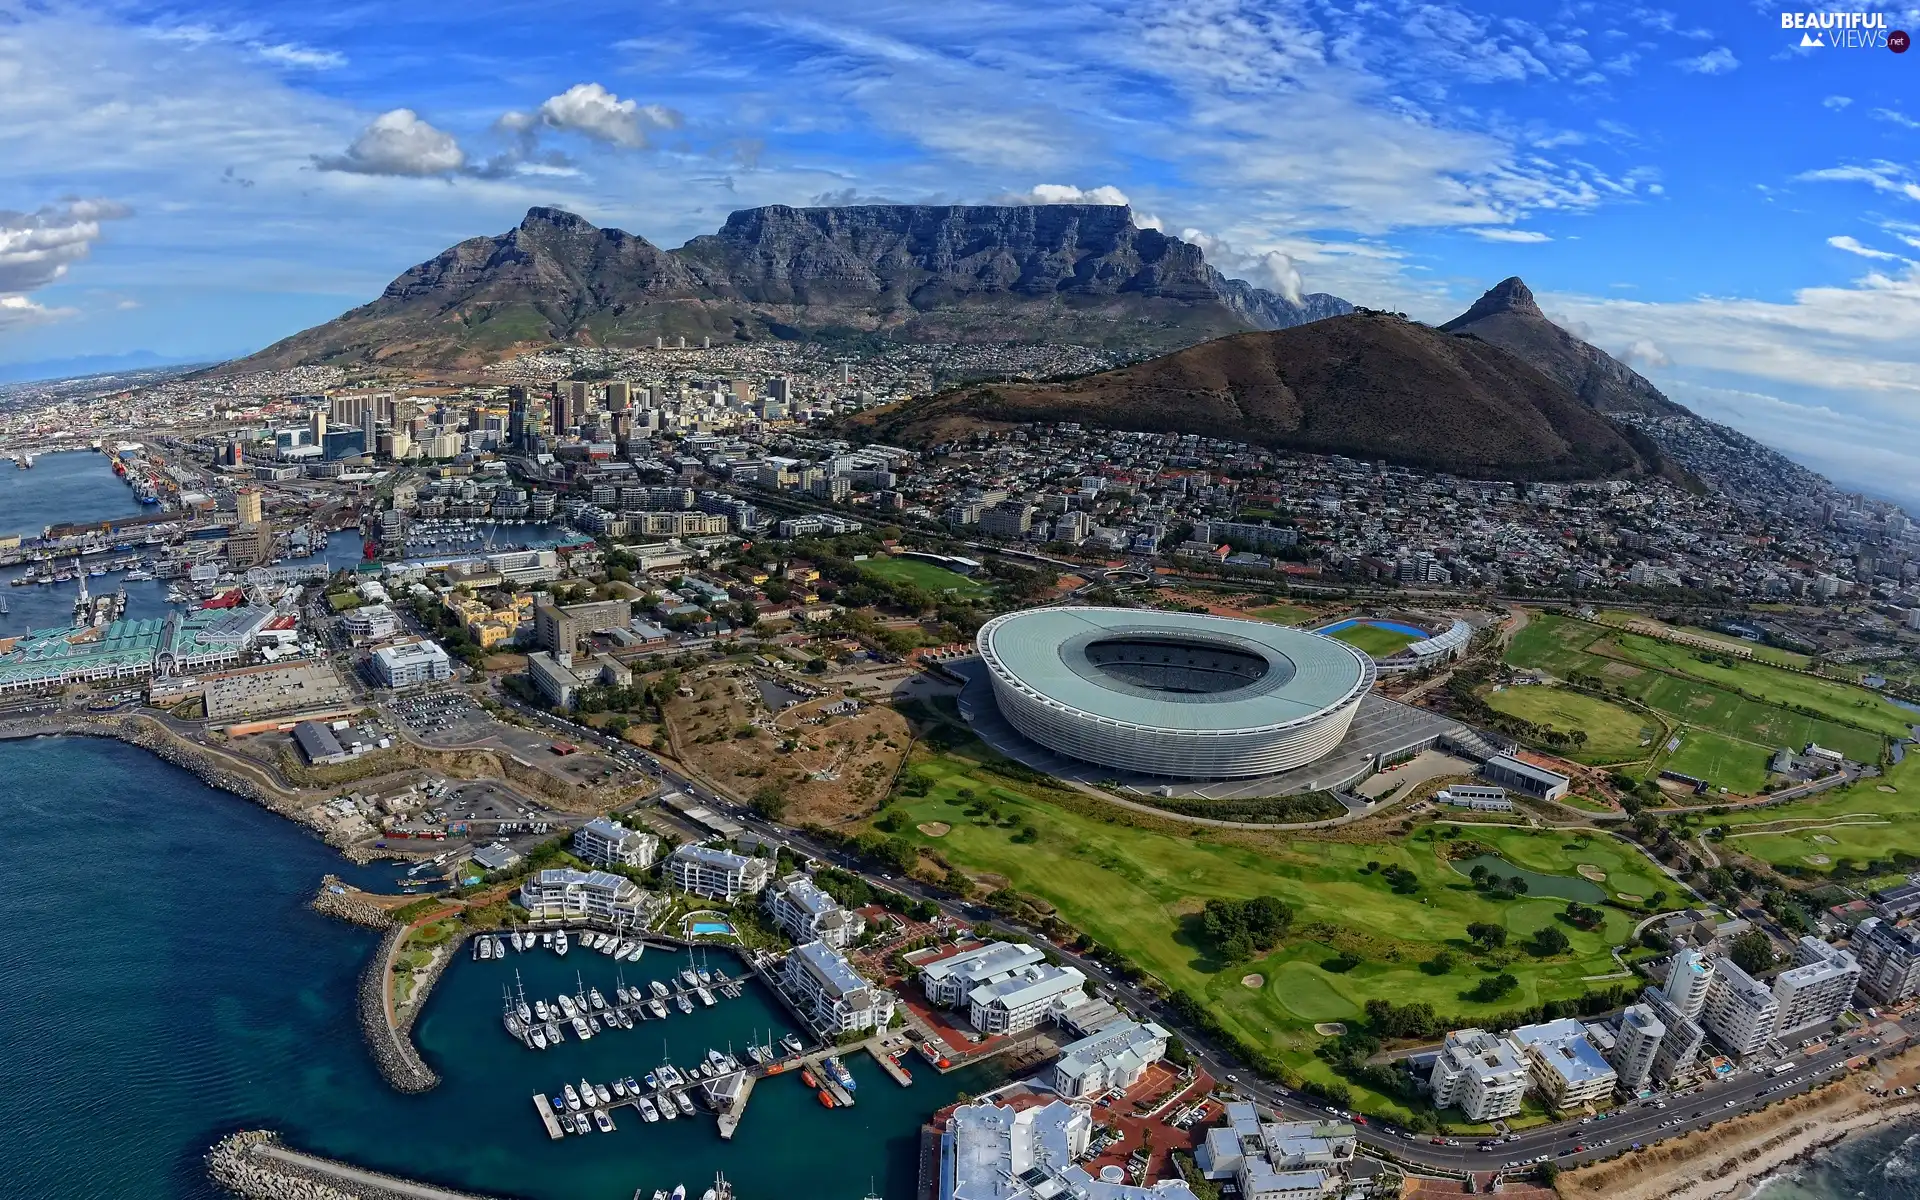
pixel 1845 31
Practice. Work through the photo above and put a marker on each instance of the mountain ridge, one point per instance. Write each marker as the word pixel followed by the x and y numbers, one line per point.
pixel 1080 273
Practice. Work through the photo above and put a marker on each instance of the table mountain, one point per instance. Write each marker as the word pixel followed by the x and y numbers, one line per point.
pixel 1080 273
pixel 1367 384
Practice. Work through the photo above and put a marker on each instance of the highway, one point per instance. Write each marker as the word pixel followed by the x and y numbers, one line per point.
pixel 1567 1143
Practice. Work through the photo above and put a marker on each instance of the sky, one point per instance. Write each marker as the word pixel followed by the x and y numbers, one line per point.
pixel 1689 187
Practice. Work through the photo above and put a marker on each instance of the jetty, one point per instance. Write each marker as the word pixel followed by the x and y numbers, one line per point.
pixel 545 1108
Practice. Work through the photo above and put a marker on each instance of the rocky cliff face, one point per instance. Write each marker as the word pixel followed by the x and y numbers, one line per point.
pixel 1064 272
pixel 1507 316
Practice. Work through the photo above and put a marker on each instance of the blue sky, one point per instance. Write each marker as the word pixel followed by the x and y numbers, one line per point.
pixel 1682 184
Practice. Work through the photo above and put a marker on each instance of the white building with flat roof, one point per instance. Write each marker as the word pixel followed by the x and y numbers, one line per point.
pixel 1741 1012
pixel 565 892
pixel 1567 1068
pixel 833 995
pixel 1681 1042
pixel 996 1152
pixel 806 914
pixel 1521 776
pixel 715 873
pixel 1481 1075
pixel 1114 1057
pixel 1689 978
pixel 606 842
pixel 1816 989
pixel 370 623
pixel 1636 1047
pixel 1479 797
pixel 1889 957
pixel 950 981
pixel 1021 1000
pixel 411 663
pixel 1292 1160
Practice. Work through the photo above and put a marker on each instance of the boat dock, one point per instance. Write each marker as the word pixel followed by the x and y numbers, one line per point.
pixel 545 1107
pixel 730 1119
pixel 893 1069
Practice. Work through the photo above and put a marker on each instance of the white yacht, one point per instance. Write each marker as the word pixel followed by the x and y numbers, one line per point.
pixel 560 943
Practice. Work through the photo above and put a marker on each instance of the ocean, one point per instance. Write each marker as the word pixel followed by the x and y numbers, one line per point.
pixel 165 984
pixel 1880 1164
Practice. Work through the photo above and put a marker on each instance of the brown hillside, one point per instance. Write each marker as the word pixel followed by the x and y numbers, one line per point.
pixel 1368 385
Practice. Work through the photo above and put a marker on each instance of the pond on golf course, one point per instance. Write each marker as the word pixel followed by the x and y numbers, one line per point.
pixel 1565 887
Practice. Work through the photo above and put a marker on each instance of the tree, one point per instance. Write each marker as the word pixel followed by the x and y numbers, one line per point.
pixel 1548 941
pixel 1442 963
pixel 1493 987
pixel 1487 936
pixel 1751 951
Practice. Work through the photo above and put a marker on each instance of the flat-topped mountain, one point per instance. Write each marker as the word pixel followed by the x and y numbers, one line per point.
pixel 1370 385
pixel 1079 273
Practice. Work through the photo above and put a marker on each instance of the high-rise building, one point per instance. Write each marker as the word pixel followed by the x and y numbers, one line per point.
pixel 247 505
pixel 1816 989
pixel 1681 1043
pixel 517 421
pixel 319 426
pixel 1889 958
pixel 1636 1047
pixel 1688 981
pixel 1480 1074
pixel 1741 1012
pixel 619 396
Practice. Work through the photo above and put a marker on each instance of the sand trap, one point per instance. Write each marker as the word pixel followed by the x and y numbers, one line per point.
pixel 1824 840
pixel 935 828
pixel 1630 898
pixel 1589 871
pixel 1330 1028
pixel 1885 787
pixel 1256 982
pixel 1818 860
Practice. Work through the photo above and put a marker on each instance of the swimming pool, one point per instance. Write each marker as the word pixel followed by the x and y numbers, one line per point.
pixel 707 928
pixel 1395 626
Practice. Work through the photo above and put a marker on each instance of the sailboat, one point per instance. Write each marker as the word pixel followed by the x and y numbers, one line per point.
pixel 520 1005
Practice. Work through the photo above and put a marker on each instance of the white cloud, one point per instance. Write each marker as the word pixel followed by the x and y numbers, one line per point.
pixel 594 112
pixel 1836 103
pixel 398 143
pixel 18 310
pixel 1065 193
pixel 1643 352
pixel 1852 246
pixel 36 248
pixel 1880 175
pixel 1518 236
pixel 1895 117
pixel 287 54
pixel 1275 270
pixel 1717 61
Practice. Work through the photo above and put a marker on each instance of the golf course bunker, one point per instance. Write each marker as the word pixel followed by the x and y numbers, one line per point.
pixel 1824 840
pixel 1562 887
pixel 1885 787
pixel 1589 871
pixel 1331 1028
pixel 935 828
pixel 1818 860
pixel 1256 982
pixel 1630 898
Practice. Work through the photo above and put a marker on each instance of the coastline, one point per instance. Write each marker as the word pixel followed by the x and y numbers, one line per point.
pixel 256 1165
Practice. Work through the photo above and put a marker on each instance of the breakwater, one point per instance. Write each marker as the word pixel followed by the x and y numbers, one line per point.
pixel 335 900
pixel 392 1047
pixel 256 1165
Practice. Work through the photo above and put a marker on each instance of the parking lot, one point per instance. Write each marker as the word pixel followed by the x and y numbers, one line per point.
pixel 486 801
pixel 444 718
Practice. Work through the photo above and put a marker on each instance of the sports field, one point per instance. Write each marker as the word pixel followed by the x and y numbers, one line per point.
pixel 1720 760
pixel 1760 651
pixel 1376 640
pixel 1139 890
pixel 1613 733
pixel 937 580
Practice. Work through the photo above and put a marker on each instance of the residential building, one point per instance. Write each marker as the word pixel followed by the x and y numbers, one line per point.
pixel 1567 1068
pixel 1889 957
pixel 1481 1075
pixel 1741 1012
pixel 1114 1057
pixel 950 981
pixel 1816 989
pixel 1286 1159
pixel 1021 1001
pixel 1681 1042
pixel 1689 979
pixel 807 914
pixel 566 892
pixel 990 1151
pixel 559 628
pixel 1636 1047
pixel 832 994
pixel 558 677
pixel 411 663
pixel 606 842
pixel 370 623
pixel 1538 782
pixel 1010 520
pixel 715 873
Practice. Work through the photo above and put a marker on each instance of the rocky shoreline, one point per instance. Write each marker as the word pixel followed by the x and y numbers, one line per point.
pixel 393 1050
pixel 253 1164
pixel 349 905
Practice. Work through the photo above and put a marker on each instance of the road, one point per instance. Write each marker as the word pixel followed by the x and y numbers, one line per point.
pixel 1568 1142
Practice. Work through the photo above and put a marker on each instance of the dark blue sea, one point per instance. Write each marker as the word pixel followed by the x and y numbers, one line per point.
pixel 165 983
pixel 1880 1164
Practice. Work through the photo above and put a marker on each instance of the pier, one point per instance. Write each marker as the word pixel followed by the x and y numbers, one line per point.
pixel 545 1107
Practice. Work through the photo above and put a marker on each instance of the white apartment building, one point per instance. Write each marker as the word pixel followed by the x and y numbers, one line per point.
pixel 715 873
pixel 990 1152
pixel 1681 1042
pixel 807 914
pixel 604 841
pixel 370 623
pixel 1636 1048
pixel 1022 1000
pixel 1567 1068
pixel 411 663
pixel 832 994
pixel 1689 979
pixel 1889 957
pixel 1114 1057
pixel 1481 1075
pixel 1816 989
pixel 950 981
pixel 1291 1160
pixel 1741 1012
pixel 565 892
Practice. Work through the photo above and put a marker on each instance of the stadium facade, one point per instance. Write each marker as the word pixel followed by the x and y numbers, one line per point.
pixel 1173 694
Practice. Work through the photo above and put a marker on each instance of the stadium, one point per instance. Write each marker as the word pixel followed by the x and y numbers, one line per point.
pixel 1400 642
pixel 1173 694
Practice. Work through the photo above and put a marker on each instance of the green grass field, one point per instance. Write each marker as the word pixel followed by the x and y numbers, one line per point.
pixel 1613 733
pixel 1138 890
pixel 1874 824
pixel 1283 614
pixel 937 580
pixel 1372 639
pixel 1720 760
